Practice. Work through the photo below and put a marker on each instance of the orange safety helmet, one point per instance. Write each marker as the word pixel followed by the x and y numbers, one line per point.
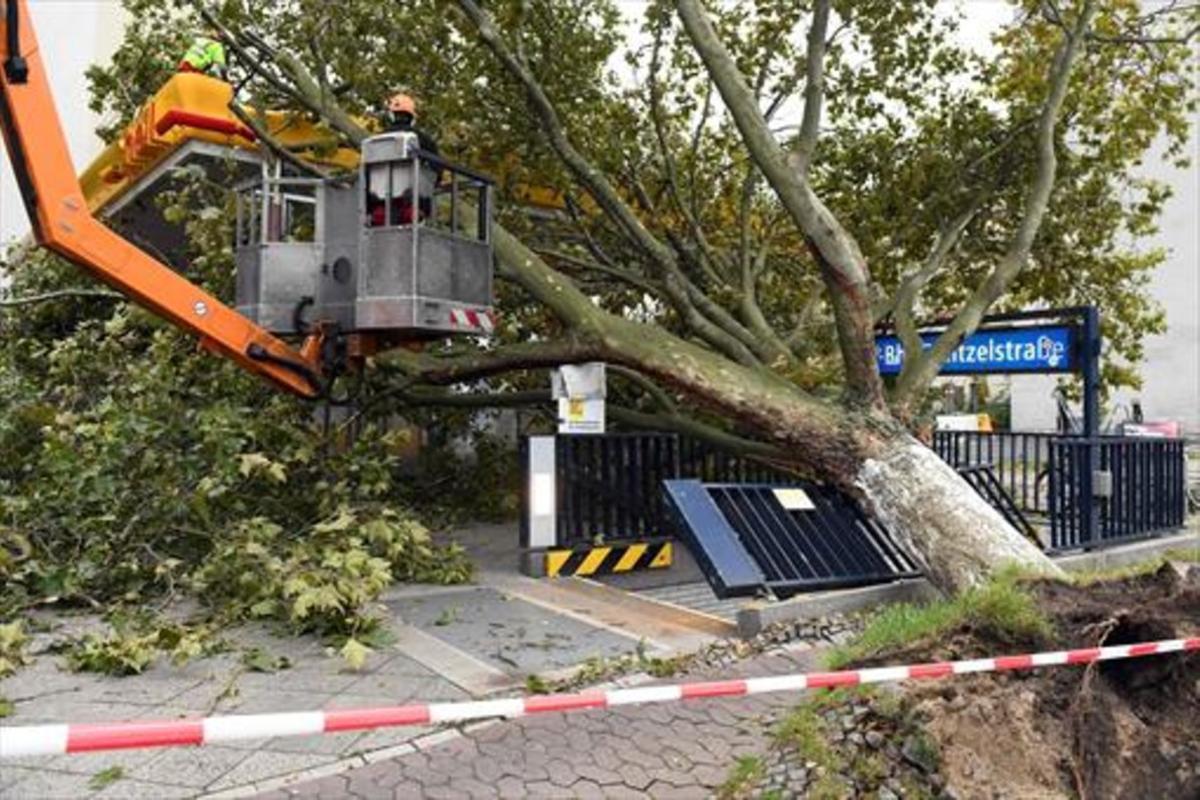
pixel 402 104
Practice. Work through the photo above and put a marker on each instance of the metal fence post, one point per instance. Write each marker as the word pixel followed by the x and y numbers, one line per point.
pixel 1090 356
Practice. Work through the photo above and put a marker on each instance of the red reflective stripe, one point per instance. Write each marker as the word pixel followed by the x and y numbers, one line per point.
pixel 713 689
pixel 1191 644
pixel 1083 656
pixel 1014 662
pixel 351 719
pixel 1143 649
pixel 564 702
pixel 818 680
pixel 204 122
pixel 101 736
pixel 938 670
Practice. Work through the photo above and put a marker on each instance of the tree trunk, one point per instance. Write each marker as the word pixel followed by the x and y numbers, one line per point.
pixel 956 535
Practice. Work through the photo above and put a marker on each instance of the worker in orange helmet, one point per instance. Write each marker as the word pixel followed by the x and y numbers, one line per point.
pixel 400 115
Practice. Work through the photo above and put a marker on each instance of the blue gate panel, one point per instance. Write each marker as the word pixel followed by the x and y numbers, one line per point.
pixel 748 543
pixel 718 550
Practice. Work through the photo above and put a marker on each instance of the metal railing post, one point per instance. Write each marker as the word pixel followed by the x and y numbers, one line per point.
pixel 1090 367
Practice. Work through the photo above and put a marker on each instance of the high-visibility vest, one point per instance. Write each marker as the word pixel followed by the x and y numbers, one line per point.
pixel 205 54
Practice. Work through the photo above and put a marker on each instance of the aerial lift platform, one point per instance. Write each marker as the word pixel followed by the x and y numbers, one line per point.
pixel 328 270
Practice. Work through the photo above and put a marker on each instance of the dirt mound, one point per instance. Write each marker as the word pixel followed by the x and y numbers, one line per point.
pixel 1109 730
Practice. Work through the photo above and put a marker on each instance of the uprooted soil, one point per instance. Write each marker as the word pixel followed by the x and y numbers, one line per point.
pixel 1109 730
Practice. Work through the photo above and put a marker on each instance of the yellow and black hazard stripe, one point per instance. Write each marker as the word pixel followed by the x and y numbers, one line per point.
pixel 607 559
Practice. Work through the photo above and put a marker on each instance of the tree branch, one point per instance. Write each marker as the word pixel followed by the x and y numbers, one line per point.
pixel 419 398
pixel 803 321
pixel 674 282
pixel 814 89
pixel 596 183
pixel 707 257
pixel 688 426
pixel 664 400
pixel 272 145
pixel 244 56
pixel 1133 39
pixel 624 275
pixel 1037 201
pixel 407 397
pixel 62 294
pixel 842 264
pixel 910 288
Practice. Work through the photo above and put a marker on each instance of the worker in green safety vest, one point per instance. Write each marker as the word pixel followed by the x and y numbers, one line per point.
pixel 206 55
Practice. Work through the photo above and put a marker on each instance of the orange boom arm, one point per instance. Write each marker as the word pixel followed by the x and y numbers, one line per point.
pixel 62 222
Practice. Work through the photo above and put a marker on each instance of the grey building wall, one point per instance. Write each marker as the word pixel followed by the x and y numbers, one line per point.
pixel 1171 368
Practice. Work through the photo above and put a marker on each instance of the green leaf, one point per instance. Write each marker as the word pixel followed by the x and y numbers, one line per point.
pixel 106 777
pixel 258 660
pixel 355 653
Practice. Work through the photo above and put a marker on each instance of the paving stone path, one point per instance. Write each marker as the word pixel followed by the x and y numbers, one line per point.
pixel 682 749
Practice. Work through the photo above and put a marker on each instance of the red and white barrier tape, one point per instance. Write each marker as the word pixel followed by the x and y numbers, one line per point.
pixel 475 320
pixel 38 740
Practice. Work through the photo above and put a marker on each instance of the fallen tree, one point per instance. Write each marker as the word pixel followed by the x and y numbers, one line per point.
pixel 752 320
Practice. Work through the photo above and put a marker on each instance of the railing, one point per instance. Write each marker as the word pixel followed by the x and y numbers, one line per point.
pixel 1020 461
pixel 982 478
pixel 1147 492
pixel 1047 473
pixel 610 485
pixel 701 462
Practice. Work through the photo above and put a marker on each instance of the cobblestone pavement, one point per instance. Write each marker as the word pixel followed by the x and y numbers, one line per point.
pixel 682 749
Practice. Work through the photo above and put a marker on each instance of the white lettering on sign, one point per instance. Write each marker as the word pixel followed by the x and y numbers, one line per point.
pixel 988 352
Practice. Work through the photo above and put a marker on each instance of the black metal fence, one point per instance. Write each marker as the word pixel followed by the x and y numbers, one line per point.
pixel 610 485
pixel 1048 474
pixel 1020 461
pixel 1146 490
pixel 982 478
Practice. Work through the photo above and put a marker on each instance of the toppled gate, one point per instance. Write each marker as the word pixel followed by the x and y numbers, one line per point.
pixel 596 504
pixel 751 539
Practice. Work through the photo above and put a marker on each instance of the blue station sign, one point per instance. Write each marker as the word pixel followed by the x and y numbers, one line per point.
pixel 1044 348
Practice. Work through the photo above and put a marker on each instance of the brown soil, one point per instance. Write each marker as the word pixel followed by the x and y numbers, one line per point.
pixel 1125 729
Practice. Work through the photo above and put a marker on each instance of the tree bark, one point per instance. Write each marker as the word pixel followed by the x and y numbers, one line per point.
pixel 955 535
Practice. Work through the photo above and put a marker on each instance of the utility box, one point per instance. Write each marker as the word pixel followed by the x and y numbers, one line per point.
pixel 403 250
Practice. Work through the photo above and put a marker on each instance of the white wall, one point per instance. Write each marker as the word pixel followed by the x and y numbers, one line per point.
pixel 1171 367
pixel 72 35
